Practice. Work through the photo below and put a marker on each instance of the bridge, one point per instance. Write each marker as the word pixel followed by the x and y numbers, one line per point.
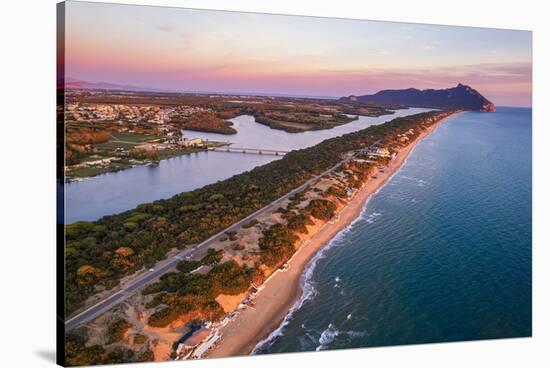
pixel 256 151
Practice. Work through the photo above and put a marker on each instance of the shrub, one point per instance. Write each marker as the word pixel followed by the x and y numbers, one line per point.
pixel 116 331
pixel 277 245
pixel 299 223
pixel 321 209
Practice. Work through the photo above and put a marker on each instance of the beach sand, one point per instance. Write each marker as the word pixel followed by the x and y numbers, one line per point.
pixel 284 288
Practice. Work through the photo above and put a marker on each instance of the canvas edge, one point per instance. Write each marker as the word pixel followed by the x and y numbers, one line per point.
pixel 60 179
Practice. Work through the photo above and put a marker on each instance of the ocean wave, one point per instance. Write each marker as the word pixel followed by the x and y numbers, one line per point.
pixel 306 341
pixel 355 334
pixel 371 217
pixel 331 333
pixel 406 177
pixel 327 337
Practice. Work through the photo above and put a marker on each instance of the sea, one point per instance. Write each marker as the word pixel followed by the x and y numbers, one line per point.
pixel 441 253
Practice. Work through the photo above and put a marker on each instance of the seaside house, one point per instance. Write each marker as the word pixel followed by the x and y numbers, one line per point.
pixel 379 151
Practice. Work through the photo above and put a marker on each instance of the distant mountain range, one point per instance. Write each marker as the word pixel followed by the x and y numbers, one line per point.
pixel 76 83
pixel 81 84
pixel 460 97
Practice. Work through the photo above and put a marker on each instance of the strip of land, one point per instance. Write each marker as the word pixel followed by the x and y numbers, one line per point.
pixel 283 290
pixel 166 266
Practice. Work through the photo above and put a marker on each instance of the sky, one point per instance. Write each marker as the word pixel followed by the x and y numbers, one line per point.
pixel 229 52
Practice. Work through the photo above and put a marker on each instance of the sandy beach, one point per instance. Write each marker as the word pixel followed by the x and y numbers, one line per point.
pixel 284 288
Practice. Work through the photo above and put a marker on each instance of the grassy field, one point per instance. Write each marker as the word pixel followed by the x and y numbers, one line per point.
pixel 131 137
pixel 111 146
pixel 124 140
pixel 168 153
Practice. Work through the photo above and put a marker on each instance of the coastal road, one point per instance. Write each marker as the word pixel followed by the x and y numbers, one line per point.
pixel 165 266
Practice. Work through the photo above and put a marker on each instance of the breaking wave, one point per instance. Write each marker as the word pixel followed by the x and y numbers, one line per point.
pixel 371 217
pixel 327 337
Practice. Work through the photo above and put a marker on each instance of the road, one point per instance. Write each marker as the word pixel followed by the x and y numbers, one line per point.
pixel 167 265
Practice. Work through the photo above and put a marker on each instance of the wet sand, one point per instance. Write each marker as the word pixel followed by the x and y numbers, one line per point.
pixel 284 289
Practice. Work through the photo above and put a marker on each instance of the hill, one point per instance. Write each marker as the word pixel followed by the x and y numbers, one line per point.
pixel 460 97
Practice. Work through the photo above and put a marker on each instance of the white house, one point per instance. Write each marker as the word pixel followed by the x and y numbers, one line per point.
pixel 193 142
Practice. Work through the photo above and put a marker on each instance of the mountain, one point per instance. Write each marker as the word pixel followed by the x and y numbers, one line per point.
pixel 460 97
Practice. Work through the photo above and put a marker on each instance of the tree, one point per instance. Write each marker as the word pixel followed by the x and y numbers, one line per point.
pixel 152 155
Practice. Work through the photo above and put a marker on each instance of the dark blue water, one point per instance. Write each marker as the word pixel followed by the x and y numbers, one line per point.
pixel 112 193
pixel 440 253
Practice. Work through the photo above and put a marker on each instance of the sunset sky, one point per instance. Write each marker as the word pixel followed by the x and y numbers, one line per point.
pixel 210 51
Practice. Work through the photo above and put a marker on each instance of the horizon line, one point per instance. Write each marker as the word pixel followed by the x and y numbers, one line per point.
pixel 232 93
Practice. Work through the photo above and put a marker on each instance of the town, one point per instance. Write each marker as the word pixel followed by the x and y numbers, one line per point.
pixel 104 138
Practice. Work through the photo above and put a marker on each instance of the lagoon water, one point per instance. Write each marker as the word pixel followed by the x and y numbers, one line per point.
pixel 441 253
pixel 112 193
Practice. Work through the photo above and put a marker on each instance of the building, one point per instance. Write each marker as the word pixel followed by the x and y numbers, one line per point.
pixel 380 152
pixel 193 142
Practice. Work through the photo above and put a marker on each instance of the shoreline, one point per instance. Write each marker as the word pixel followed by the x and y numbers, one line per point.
pixel 284 291
pixel 174 154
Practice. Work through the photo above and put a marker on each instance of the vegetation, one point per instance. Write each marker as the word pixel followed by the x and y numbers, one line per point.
pixel 146 356
pixel 139 339
pixel 122 163
pixel 206 122
pixel 212 257
pixel 277 245
pixel 250 224
pixel 336 191
pixel 237 246
pixel 299 223
pixel 294 122
pixel 321 209
pixel 78 354
pixel 116 331
pixel 153 229
pixel 180 293
pixel 143 154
